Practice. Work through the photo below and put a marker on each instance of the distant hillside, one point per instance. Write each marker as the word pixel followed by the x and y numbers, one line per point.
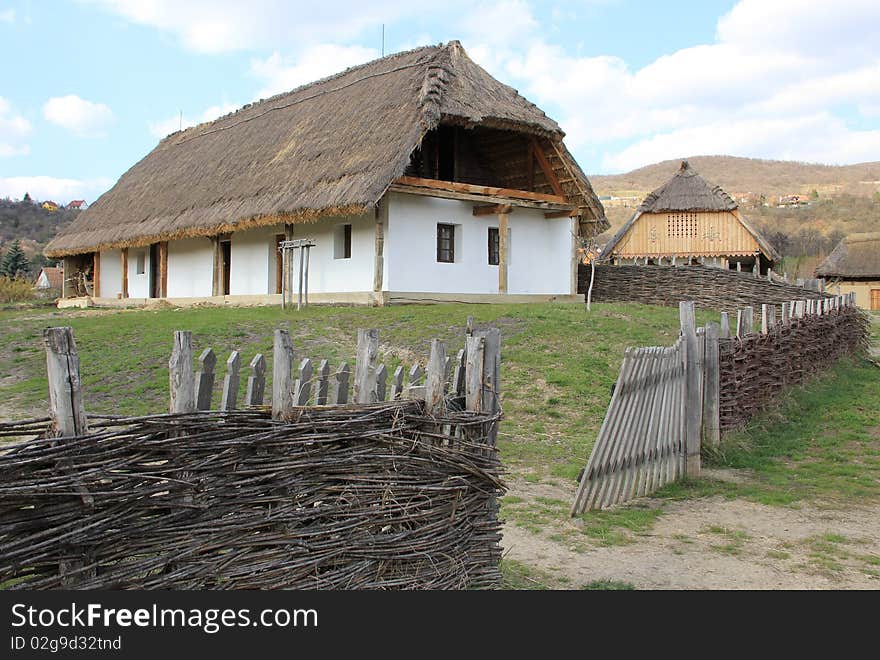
pixel 31 224
pixel 771 178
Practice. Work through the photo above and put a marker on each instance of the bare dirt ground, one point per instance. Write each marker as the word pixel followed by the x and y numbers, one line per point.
pixel 712 543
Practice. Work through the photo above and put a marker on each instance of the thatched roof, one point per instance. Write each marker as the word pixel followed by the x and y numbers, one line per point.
pixel 331 147
pixel 856 257
pixel 688 192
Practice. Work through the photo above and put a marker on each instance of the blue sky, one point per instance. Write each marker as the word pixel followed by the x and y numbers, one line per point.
pixel 88 87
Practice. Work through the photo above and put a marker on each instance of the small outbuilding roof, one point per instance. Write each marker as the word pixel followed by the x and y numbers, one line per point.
pixel 332 147
pixel 856 257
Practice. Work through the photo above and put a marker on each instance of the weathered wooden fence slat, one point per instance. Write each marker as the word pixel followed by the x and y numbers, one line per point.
pixel 256 384
pixel 65 387
pixel 205 379
pixel 229 398
pixel 180 374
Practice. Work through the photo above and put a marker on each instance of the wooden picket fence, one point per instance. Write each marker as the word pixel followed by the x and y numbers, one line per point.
pixel 666 403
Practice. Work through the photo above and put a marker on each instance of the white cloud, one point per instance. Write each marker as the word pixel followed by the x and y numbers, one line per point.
pixel 14 130
pixel 772 85
pixel 281 74
pixel 58 190
pixel 7 16
pixel 79 116
pixel 164 127
pixel 214 26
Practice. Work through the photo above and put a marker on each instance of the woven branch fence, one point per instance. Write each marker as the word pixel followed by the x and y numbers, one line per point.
pixel 670 402
pixel 711 288
pixel 398 494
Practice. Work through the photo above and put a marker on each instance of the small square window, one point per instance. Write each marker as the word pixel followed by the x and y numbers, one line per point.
pixel 445 243
pixel 141 265
pixel 494 247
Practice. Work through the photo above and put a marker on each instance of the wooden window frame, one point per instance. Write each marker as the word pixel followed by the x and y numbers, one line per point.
pixel 445 243
pixel 494 246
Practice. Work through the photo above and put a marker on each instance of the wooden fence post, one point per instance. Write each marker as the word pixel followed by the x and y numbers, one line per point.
pixel 475 348
pixel 323 387
pixel 282 366
pixel 458 374
pixel 205 379
pixel 256 384
pixel 339 395
pixel 491 386
pixel 748 321
pixel 65 387
pixel 397 383
pixel 724 331
pixel 365 367
pixel 435 383
pixel 303 386
pixel 381 382
pixel 765 319
pixel 693 395
pixel 230 382
pixel 181 378
pixel 415 376
pixel 711 388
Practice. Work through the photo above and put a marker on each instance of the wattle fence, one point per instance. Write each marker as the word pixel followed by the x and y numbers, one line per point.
pixel 392 491
pixel 670 402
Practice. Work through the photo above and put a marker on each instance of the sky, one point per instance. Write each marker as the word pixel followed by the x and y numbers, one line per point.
pixel 89 87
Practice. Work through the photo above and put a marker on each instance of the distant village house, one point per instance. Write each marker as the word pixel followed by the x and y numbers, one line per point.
pixel 50 278
pixel 854 266
pixel 417 177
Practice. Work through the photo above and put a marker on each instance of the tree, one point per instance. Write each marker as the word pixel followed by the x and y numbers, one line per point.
pixel 15 263
pixel 27 198
pixel 814 194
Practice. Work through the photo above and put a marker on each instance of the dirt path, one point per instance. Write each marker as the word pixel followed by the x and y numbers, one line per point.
pixel 712 543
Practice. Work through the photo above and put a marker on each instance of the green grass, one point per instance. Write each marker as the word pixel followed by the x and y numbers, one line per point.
pixel 517 575
pixel 608 585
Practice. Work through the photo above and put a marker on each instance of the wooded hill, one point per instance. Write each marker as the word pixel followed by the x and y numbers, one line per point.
pixel 737 176
pixel 31 224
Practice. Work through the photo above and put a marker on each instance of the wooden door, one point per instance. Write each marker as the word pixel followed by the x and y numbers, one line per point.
pixel 875 299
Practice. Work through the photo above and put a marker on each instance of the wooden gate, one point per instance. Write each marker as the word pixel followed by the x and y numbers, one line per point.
pixel 642 442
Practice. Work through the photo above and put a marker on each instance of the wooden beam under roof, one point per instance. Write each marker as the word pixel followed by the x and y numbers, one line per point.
pixel 560 214
pixel 473 197
pixel 493 209
pixel 454 186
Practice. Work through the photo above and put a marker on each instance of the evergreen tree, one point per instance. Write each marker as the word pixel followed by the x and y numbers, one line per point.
pixel 14 263
pixel 26 198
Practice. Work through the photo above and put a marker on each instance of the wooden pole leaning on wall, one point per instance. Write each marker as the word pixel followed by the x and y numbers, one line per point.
pixel 693 394
pixel 712 387
pixel 180 374
pixel 282 367
pixel 65 387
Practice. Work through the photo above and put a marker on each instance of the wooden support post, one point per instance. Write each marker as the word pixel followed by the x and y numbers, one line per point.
pixel 299 299
pixel 711 388
pixel 724 331
pixel 124 266
pixel 96 275
pixel 306 276
pixel 65 387
pixel 503 249
pixel 436 379
pixel 205 379
pixel 379 246
pixel 163 269
pixel 365 367
pixel 230 382
pixel 302 388
pixel 693 395
pixel 256 384
pixel 323 388
pixel 282 366
pixel 180 368
pixel 396 384
pixel 339 395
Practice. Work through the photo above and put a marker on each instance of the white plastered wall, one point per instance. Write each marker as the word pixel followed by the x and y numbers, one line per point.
pixel 190 268
pixel 138 283
pixel 539 249
pixel 111 274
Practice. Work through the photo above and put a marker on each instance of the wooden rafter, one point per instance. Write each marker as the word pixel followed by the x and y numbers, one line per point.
pixel 541 157
pixel 560 214
pixel 480 198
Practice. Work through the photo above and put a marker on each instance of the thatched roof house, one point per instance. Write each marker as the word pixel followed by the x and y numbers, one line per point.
pixel 329 148
pixel 688 219
pixel 854 266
